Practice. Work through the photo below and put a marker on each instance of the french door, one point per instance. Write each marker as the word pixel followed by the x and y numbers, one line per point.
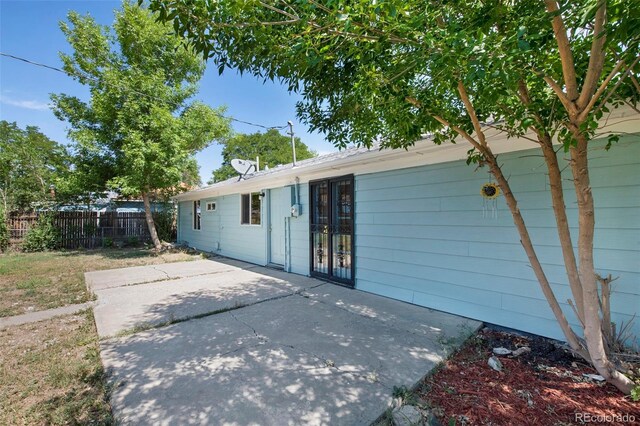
pixel 331 229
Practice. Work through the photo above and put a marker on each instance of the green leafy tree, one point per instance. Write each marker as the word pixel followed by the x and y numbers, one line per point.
pixel 395 70
pixel 5 235
pixel 271 147
pixel 31 166
pixel 137 134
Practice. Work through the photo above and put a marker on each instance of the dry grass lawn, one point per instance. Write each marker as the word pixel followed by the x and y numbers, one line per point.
pixel 50 373
pixel 38 281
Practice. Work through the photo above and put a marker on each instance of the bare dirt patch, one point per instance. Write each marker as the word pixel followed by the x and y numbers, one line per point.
pixel 38 281
pixel 545 386
pixel 50 373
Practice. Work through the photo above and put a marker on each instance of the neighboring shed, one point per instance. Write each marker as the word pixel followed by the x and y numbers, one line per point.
pixel 412 225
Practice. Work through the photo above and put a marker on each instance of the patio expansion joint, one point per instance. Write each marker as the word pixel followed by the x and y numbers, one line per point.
pixel 172 321
pixel 259 336
pixel 159 280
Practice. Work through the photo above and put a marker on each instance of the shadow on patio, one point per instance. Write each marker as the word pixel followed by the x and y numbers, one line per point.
pixel 274 352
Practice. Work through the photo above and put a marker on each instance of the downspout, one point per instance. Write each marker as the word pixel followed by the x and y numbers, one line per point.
pixel 296 196
pixel 220 228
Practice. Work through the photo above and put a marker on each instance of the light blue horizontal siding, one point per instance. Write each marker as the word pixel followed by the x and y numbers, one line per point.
pixel 244 242
pixel 299 244
pixel 201 239
pixel 421 237
pixel 221 231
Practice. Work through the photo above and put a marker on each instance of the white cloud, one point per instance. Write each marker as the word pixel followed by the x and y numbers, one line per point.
pixel 24 103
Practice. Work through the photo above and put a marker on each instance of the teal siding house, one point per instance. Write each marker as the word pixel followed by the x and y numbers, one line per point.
pixel 412 225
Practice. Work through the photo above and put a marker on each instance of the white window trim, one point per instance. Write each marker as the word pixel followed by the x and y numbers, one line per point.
pixel 215 206
pixel 261 220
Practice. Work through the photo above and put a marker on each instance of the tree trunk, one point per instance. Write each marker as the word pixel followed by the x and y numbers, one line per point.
pixel 586 222
pixel 150 223
pixel 529 249
pixel 4 199
pixel 562 223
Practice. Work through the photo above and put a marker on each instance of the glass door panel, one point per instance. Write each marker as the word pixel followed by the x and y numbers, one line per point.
pixel 320 227
pixel 331 229
pixel 342 228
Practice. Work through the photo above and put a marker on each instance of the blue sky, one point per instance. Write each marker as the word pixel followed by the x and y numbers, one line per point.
pixel 29 29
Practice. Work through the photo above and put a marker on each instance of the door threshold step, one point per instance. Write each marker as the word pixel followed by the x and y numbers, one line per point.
pixel 275 266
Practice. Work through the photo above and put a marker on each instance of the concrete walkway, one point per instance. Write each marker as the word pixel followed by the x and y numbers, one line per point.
pixel 43 315
pixel 249 345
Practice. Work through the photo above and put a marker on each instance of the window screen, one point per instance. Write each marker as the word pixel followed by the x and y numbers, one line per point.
pixel 250 209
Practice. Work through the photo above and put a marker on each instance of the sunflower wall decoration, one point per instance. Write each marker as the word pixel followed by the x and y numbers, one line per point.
pixel 490 192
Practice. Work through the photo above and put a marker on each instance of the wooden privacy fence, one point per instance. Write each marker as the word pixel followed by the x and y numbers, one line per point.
pixel 84 228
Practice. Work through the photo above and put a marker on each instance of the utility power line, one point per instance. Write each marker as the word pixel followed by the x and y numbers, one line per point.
pixel 60 70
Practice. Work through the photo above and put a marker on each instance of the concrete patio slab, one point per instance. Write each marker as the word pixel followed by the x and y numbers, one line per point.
pixel 353 343
pixel 302 352
pixel 121 309
pixel 227 376
pixel 100 280
pixel 433 323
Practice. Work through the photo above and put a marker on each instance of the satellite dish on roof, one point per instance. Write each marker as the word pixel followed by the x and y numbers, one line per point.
pixel 243 166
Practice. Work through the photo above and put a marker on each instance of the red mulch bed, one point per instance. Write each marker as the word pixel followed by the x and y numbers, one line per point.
pixel 542 387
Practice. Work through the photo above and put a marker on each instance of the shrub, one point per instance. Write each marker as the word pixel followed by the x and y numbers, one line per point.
pixel 165 224
pixel 4 231
pixel 44 235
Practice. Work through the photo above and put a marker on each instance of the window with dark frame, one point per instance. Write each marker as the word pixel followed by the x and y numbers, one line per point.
pixel 196 214
pixel 250 209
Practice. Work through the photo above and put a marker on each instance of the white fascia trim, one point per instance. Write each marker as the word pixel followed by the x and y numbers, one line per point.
pixel 424 152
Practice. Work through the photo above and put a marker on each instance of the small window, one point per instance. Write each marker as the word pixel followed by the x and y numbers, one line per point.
pixel 211 206
pixel 196 214
pixel 250 209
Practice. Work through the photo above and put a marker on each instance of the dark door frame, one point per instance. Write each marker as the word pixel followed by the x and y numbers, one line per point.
pixel 329 276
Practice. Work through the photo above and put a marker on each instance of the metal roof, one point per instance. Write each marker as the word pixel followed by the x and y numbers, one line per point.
pixel 300 166
pixel 367 160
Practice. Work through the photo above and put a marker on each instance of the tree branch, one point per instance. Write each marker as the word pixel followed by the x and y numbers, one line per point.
pixel 392 37
pixel 525 98
pixel 472 112
pixel 564 48
pixel 500 129
pixel 603 87
pixel 296 18
pixel 460 131
pixel 634 80
pixel 279 11
pixel 570 107
pixel 596 57
pixel 632 106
